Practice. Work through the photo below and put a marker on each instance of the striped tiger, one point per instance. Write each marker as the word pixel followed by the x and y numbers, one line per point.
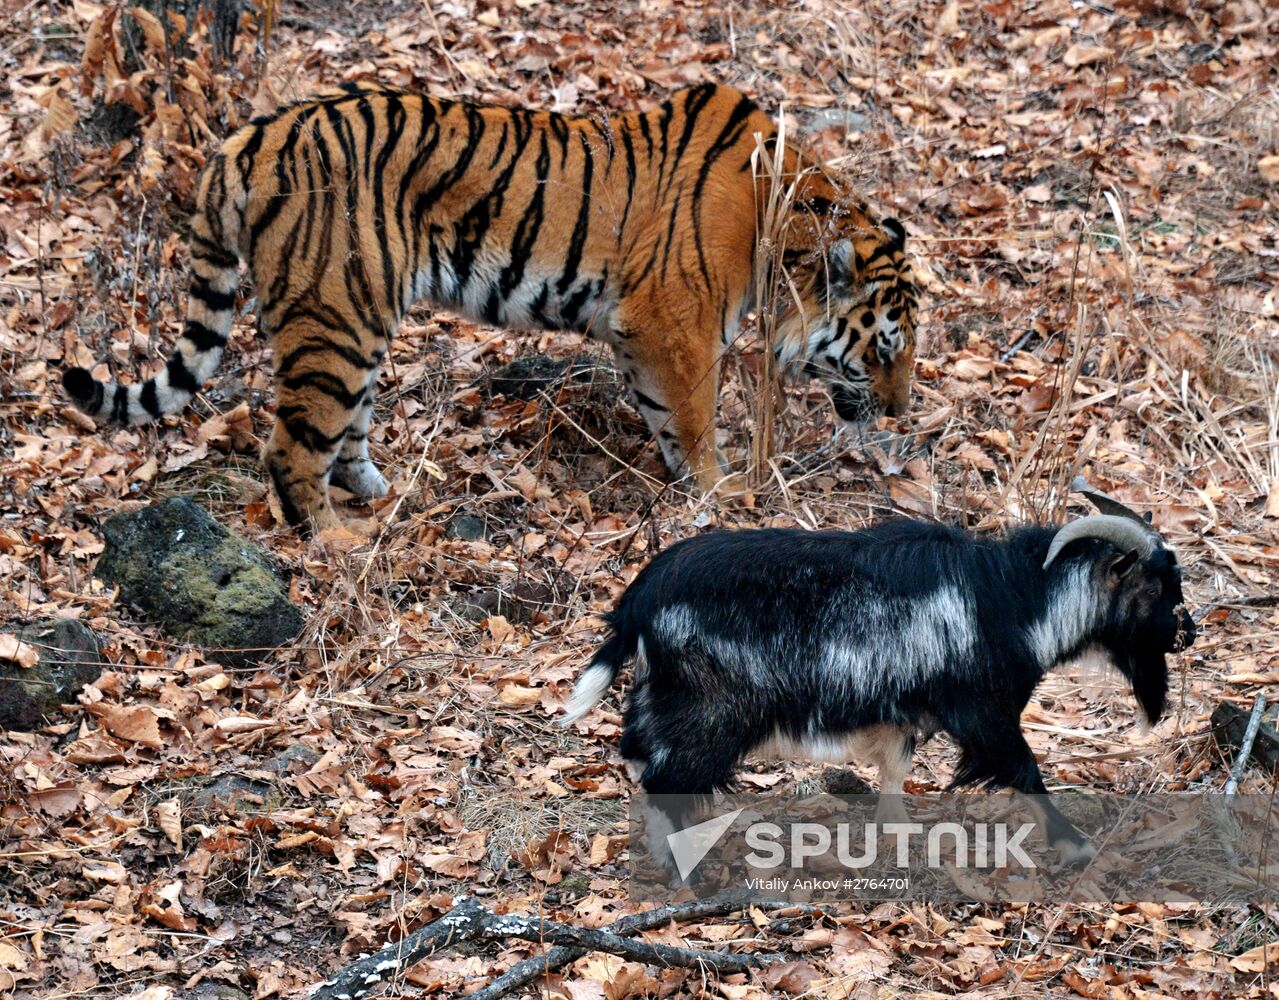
pixel 638 229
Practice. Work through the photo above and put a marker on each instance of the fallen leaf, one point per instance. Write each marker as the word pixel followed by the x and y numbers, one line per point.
pixel 499 628
pixel 789 977
pixel 517 695
pixel 106 871
pixel 1256 959
pixel 13 959
pixel 169 819
pixel 241 724
pixel 1085 55
pixel 20 652
pixel 137 724
pixel 164 905
pixel 59 801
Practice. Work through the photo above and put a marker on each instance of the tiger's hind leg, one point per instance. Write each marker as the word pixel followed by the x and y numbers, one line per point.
pixel 320 386
pixel 353 470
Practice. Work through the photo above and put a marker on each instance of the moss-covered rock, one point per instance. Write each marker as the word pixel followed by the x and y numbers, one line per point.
pixel 70 657
pixel 198 580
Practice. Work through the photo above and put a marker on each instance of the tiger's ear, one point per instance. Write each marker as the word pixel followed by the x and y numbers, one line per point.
pixel 897 232
pixel 842 259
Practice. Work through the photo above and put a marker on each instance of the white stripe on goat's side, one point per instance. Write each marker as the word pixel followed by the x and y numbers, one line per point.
pixel 879 648
pixel 902 641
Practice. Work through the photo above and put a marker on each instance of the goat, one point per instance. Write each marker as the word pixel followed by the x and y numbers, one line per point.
pixel 839 645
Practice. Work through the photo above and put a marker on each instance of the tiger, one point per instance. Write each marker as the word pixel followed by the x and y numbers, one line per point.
pixel 639 229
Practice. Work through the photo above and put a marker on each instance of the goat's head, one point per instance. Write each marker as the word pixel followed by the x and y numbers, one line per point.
pixel 1137 578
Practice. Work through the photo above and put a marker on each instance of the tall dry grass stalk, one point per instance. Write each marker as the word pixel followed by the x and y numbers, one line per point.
pixel 771 282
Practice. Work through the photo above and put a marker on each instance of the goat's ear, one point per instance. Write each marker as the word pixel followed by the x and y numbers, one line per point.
pixel 1148 517
pixel 1122 565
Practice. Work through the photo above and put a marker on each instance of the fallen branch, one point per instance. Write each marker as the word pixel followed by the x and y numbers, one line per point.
pixel 525 972
pixel 1245 746
pixel 469 920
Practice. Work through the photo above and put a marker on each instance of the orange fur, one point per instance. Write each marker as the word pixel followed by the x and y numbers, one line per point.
pixel 639 229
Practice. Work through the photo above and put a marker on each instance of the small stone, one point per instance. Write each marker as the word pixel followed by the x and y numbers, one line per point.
pixel 232 793
pixel 283 762
pixel 70 657
pixel 527 378
pixel 467 528
pixel 202 583
pixel 844 781
pixel 209 989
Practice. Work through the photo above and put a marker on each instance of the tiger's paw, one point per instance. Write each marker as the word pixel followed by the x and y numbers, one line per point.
pixel 360 479
pixel 734 489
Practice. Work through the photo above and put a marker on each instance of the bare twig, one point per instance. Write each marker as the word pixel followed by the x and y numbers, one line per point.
pixel 1245 746
pixel 525 972
pixel 469 920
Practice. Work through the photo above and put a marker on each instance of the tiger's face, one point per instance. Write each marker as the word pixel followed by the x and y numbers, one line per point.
pixel 863 340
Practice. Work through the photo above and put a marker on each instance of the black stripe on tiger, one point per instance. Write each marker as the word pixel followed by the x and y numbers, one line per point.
pixel 583 224
pixel 693 106
pixel 210 298
pixel 394 121
pixel 472 229
pixel 530 224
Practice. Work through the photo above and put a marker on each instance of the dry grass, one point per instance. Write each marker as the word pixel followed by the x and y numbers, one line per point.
pixel 1109 330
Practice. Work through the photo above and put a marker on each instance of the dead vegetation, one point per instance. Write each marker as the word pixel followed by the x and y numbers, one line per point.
pixel 1091 197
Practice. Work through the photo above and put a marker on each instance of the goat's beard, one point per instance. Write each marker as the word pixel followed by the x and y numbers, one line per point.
pixel 1149 678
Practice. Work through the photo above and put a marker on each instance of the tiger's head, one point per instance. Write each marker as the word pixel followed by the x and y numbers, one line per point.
pixel 854 322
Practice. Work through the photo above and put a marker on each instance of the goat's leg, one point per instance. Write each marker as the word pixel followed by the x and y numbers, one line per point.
pixel 890 748
pixel 683 779
pixel 996 755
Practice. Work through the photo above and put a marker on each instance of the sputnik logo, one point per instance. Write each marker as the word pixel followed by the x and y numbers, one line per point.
pixel 689 845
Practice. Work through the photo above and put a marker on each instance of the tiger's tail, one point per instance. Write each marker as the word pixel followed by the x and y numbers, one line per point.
pixel 215 232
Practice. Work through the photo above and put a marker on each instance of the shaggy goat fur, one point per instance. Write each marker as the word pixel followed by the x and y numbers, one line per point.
pixel 834 644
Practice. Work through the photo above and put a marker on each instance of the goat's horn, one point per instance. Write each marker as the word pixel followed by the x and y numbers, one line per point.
pixel 1106 504
pixel 1121 532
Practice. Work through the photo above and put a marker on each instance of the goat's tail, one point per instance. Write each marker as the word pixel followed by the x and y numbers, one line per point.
pixel 210 311
pixel 597 678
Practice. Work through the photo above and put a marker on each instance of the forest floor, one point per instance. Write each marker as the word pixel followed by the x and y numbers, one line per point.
pixel 1091 196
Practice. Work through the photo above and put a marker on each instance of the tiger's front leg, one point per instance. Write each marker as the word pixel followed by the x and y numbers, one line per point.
pixel 353 470
pixel 676 391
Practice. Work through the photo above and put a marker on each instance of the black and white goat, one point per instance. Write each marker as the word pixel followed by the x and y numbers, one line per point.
pixel 843 646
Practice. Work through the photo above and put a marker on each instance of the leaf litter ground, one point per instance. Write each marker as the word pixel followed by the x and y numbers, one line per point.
pixel 1091 195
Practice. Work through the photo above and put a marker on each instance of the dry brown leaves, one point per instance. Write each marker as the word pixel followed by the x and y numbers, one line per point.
pixel 1091 198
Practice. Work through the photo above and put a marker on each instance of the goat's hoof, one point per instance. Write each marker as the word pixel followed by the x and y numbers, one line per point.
pixel 675 883
pixel 1072 855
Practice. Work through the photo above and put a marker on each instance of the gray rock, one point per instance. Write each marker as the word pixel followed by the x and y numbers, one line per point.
pixel 70 657
pixel 466 528
pixel 208 989
pixel 528 377
pixel 202 583
pixel 520 603
pixel 282 763
pixel 232 793
pixel 844 781
pixel 816 119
